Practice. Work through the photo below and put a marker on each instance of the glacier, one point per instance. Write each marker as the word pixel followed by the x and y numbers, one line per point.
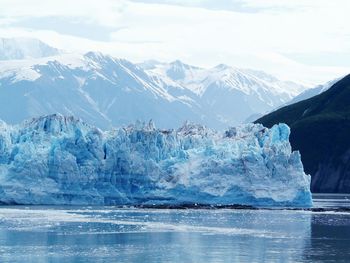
pixel 57 160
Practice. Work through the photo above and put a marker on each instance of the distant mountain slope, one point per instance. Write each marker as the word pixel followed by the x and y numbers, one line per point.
pixel 23 48
pixel 320 130
pixel 309 93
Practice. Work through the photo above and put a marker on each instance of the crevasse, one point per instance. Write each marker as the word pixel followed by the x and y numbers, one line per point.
pixel 61 160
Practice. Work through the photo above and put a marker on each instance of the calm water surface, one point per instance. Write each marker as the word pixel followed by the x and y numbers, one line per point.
pixel 108 234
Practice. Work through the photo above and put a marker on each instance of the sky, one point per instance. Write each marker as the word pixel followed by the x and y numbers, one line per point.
pixel 306 41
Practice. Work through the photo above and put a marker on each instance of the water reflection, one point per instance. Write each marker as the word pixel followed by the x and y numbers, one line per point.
pixel 330 239
pixel 45 234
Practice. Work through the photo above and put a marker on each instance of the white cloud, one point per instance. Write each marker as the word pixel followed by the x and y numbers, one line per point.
pixel 200 35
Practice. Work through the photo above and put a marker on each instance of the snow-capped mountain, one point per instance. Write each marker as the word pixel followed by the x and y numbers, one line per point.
pixel 231 94
pixel 24 48
pixel 100 89
pixel 199 79
pixel 106 91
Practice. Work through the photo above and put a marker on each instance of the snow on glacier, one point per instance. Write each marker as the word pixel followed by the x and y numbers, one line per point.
pixel 61 160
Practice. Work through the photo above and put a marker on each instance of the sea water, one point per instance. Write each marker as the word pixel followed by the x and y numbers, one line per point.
pixel 114 234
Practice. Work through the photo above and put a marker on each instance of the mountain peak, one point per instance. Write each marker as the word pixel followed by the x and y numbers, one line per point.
pixel 177 70
pixel 180 64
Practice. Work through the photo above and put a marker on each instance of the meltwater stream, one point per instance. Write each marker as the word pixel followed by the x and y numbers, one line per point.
pixel 110 234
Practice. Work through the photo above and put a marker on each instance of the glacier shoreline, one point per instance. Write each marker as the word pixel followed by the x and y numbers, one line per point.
pixel 58 160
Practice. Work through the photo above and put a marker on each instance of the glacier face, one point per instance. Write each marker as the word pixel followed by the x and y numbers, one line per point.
pixel 61 160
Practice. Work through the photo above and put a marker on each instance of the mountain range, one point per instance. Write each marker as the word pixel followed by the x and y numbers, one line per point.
pixel 36 79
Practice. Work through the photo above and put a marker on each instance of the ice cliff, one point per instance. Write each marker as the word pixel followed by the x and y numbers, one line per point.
pixel 61 160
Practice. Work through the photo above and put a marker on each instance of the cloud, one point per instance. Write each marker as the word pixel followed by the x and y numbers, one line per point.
pixel 75 26
pixel 259 34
